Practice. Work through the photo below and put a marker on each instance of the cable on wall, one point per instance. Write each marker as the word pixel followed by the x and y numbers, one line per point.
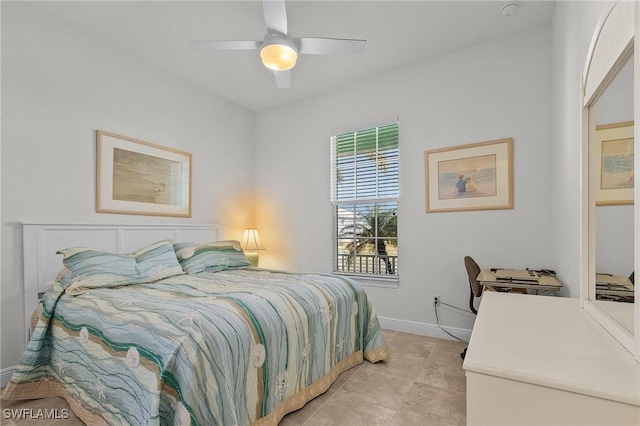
pixel 435 308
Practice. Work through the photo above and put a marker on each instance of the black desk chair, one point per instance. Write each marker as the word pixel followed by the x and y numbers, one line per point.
pixel 475 289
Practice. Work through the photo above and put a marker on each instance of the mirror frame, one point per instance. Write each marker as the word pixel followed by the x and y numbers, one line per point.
pixel 613 42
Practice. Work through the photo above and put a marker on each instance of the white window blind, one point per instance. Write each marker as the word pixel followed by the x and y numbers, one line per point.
pixel 365 185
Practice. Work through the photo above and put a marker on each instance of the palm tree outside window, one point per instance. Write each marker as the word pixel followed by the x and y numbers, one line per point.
pixel 365 190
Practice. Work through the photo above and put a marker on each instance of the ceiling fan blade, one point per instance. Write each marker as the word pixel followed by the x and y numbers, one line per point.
pixel 331 46
pixel 225 45
pixel 283 79
pixel 275 15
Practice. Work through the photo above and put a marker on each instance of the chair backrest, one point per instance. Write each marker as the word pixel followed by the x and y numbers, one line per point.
pixel 473 270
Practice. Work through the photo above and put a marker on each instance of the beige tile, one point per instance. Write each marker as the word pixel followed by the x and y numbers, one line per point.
pixel 302 415
pixel 410 418
pixel 451 346
pixel 345 408
pixel 377 388
pixel 288 422
pixel 427 404
pixel 388 334
pixel 444 370
pixel 345 375
pixel 405 343
pixel 298 417
pixel 400 365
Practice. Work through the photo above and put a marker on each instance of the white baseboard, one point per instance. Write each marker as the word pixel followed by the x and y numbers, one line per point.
pixel 423 329
pixel 5 375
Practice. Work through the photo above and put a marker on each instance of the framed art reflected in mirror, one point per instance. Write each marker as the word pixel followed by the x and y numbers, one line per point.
pixel 614 152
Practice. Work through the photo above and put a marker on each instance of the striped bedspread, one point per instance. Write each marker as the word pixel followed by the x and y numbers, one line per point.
pixel 235 347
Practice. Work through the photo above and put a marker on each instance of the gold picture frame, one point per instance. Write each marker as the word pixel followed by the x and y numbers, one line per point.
pixel 137 177
pixel 615 155
pixel 476 176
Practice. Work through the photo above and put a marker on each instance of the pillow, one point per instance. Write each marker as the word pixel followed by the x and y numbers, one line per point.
pixel 98 269
pixel 211 257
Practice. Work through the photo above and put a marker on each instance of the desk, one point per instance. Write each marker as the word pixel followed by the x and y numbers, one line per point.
pixel 614 287
pixel 488 278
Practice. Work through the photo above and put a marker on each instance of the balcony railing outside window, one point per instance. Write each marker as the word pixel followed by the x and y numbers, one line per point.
pixel 367 264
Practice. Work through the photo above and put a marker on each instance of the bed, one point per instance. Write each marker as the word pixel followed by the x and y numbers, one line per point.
pixel 177 332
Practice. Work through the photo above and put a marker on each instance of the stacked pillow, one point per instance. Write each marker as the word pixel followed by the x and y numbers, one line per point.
pixel 90 268
pixel 210 257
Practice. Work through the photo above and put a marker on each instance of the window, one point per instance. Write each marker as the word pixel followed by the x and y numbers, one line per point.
pixel 365 182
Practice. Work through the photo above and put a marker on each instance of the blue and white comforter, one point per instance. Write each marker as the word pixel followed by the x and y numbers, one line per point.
pixel 235 347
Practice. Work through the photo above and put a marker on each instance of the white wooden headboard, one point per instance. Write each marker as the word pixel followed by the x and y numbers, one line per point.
pixel 41 242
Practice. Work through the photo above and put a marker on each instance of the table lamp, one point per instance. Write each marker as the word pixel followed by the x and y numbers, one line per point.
pixel 250 243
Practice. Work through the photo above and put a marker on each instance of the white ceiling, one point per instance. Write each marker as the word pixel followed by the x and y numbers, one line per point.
pixel 398 34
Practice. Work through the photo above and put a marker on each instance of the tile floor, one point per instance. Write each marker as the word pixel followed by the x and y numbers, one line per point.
pixel 421 384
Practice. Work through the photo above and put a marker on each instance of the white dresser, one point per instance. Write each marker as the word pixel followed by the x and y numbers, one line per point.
pixel 536 360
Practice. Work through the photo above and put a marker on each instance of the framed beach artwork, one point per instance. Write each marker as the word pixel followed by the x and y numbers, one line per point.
pixel 614 152
pixel 136 177
pixel 477 176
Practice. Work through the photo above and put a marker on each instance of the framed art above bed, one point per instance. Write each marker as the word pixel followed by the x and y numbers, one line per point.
pixel 136 177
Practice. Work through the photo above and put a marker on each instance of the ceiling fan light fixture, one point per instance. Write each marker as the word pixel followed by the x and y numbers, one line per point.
pixel 279 54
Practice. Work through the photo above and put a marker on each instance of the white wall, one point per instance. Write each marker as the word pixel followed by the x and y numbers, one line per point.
pixel 490 91
pixel 58 86
pixel 573 26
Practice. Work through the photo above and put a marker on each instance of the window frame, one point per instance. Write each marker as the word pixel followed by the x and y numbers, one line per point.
pixel 367 278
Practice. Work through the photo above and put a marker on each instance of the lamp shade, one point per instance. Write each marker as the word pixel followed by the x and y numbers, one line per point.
pixel 251 240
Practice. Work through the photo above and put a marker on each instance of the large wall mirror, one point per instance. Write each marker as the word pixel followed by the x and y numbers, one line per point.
pixel 609 211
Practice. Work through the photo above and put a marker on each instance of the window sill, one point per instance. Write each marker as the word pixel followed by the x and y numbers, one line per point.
pixel 371 281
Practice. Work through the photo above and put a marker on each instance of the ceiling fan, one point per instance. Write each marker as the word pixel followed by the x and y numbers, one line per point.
pixel 279 50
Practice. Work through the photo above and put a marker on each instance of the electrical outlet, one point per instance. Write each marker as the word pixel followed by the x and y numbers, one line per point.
pixel 436 300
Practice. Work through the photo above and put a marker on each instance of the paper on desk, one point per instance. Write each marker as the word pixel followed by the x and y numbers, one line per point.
pixel 517 274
